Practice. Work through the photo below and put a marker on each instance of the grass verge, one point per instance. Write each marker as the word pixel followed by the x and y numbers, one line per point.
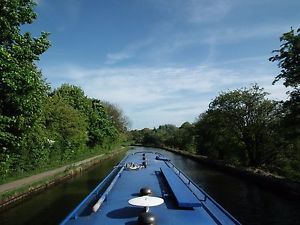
pixel 10 197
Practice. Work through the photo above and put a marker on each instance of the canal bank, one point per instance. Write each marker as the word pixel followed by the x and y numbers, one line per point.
pixel 16 191
pixel 248 202
pixel 264 179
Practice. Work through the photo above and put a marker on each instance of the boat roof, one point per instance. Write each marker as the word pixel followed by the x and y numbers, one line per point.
pixel 184 201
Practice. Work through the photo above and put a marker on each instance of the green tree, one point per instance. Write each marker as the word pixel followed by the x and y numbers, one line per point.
pixel 214 138
pixel 150 137
pixel 167 134
pixel 185 137
pixel 288 58
pixel 22 89
pixel 101 128
pixel 74 96
pixel 116 115
pixel 245 119
pixel 136 136
pixel 66 128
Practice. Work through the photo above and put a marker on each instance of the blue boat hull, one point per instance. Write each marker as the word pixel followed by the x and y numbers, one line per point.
pixel 184 201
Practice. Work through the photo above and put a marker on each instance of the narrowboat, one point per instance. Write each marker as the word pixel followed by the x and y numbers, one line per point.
pixel 146 188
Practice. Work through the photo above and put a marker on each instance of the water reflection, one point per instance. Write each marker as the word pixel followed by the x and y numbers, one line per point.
pixel 52 206
pixel 249 203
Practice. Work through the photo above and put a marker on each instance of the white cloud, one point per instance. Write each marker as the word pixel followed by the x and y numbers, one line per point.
pixel 113 58
pixel 195 11
pixel 198 11
pixel 189 31
pixel 152 96
pixel 239 34
pixel 164 44
pixel 128 51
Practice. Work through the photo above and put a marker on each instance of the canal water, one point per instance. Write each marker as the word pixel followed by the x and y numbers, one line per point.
pixel 249 203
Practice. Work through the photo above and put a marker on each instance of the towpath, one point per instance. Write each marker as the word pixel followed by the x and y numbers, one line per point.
pixel 32 179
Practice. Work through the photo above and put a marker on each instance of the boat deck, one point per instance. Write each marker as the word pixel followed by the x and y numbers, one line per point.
pixel 116 209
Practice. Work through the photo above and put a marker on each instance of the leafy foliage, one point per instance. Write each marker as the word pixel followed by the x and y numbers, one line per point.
pixel 185 137
pixel 101 128
pixel 239 127
pixel 37 127
pixel 288 58
pixel 116 115
pixel 74 96
pixel 214 140
pixel 66 127
pixel 243 127
pixel 22 89
pixel 243 118
pixel 166 135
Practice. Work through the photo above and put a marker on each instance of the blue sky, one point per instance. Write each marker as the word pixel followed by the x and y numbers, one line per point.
pixel 163 61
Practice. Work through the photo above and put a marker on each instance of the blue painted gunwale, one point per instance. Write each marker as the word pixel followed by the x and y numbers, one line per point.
pixel 127 183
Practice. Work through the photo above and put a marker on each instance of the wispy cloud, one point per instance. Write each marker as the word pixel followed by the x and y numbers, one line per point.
pixel 113 58
pixel 198 11
pixel 186 54
pixel 164 95
pixel 128 51
pixel 164 44
pixel 239 34
pixel 195 11
pixel 65 13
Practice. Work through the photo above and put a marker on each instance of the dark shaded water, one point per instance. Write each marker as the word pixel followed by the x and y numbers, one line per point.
pixel 249 203
pixel 51 206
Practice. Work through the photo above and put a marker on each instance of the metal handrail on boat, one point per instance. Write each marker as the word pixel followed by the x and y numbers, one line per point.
pixel 104 195
pixel 74 214
pixel 206 196
pixel 213 209
pixel 140 152
pixel 190 183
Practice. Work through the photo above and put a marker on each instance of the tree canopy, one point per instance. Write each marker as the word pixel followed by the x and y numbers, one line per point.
pixel 40 127
pixel 22 88
pixel 243 118
pixel 288 58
